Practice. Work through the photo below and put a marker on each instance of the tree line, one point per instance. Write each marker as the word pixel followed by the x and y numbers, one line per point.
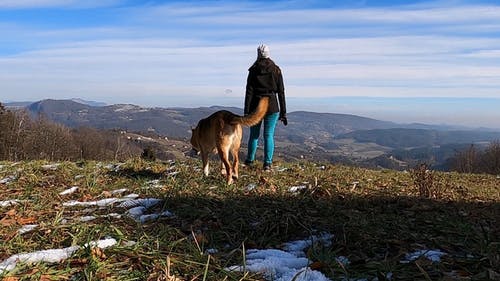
pixel 475 160
pixel 25 138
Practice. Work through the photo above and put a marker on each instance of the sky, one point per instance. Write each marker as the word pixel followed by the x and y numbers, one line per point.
pixel 434 62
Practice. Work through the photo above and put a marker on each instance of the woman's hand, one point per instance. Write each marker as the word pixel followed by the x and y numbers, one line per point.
pixel 283 119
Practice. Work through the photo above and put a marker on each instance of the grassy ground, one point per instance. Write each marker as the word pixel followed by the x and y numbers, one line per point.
pixel 377 217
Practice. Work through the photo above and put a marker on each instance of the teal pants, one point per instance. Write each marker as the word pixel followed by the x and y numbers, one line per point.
pixel 270 121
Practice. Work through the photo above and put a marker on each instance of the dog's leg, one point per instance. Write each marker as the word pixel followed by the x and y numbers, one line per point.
pixel 224 157
pixel 222 168
pixel 236 160
pixel 204 159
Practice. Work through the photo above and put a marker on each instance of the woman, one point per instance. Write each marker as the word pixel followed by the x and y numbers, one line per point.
pixel 264 79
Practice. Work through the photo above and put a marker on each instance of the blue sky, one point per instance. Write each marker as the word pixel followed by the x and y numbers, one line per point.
pixel 407 61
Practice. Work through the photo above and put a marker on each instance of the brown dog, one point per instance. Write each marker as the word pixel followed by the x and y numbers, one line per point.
pixel 221 133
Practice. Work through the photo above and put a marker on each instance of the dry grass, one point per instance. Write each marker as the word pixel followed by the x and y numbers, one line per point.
pixel 376 216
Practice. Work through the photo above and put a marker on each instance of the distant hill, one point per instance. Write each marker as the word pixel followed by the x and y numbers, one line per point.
pixel 18 104
pixel 322 127
pixel 410 138
pixel 23 104
pixel 319 136
pixel 176 122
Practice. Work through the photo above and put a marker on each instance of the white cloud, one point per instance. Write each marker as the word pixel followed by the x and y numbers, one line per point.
pixel 25 4
pixel 388 66
pixel 282 14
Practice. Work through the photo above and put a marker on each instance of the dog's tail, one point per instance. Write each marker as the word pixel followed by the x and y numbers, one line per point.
pixel 254 117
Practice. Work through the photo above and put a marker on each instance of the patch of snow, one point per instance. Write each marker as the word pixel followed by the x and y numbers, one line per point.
pixel 153 184
pixel 299 246
pixel 129 243
pixel 69 190
pixel 294 189
pixel 113 215
pixel 103 244
pixel 250 187
pixel 100 203
pixel 113 167
pixel 119 191
pixel 27 228
pixel 278 265
pixel 147 203
pixel 8 203
pixel 343 260
pixel 92 217
pixel 138 213
pixel 51 167
pixel 51 255
pixel 151 217
pixel 432 255
pixel 211 251
pixel 137 208
pixel 7 180
pixel 87 218
pixel 287 264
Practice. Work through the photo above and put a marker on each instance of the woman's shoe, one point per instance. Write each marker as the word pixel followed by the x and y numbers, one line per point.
pixel 267 167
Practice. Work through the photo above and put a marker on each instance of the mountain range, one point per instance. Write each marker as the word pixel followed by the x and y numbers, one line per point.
pixel 309 135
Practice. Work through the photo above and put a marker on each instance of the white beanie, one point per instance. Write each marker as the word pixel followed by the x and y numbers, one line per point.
pixel 263 51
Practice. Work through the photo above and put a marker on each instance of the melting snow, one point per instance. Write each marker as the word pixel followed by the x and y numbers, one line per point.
pixel 211 251
pixel 101 203
pixel 115 167
pixel 171 174
pixel 432 255
pixel 87 218
pixel 69 190
pixel 137 208
pixel 27 228
pixel 296 188
pixel 51 167
pixel 7 179
pixel 51 255
pixel 299 246
pixel 287 264
pixel 250 187
pixel 119 191
pixel 146 203
pixel 8 203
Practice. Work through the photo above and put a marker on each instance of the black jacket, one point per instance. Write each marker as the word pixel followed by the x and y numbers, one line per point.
pixel 265 79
